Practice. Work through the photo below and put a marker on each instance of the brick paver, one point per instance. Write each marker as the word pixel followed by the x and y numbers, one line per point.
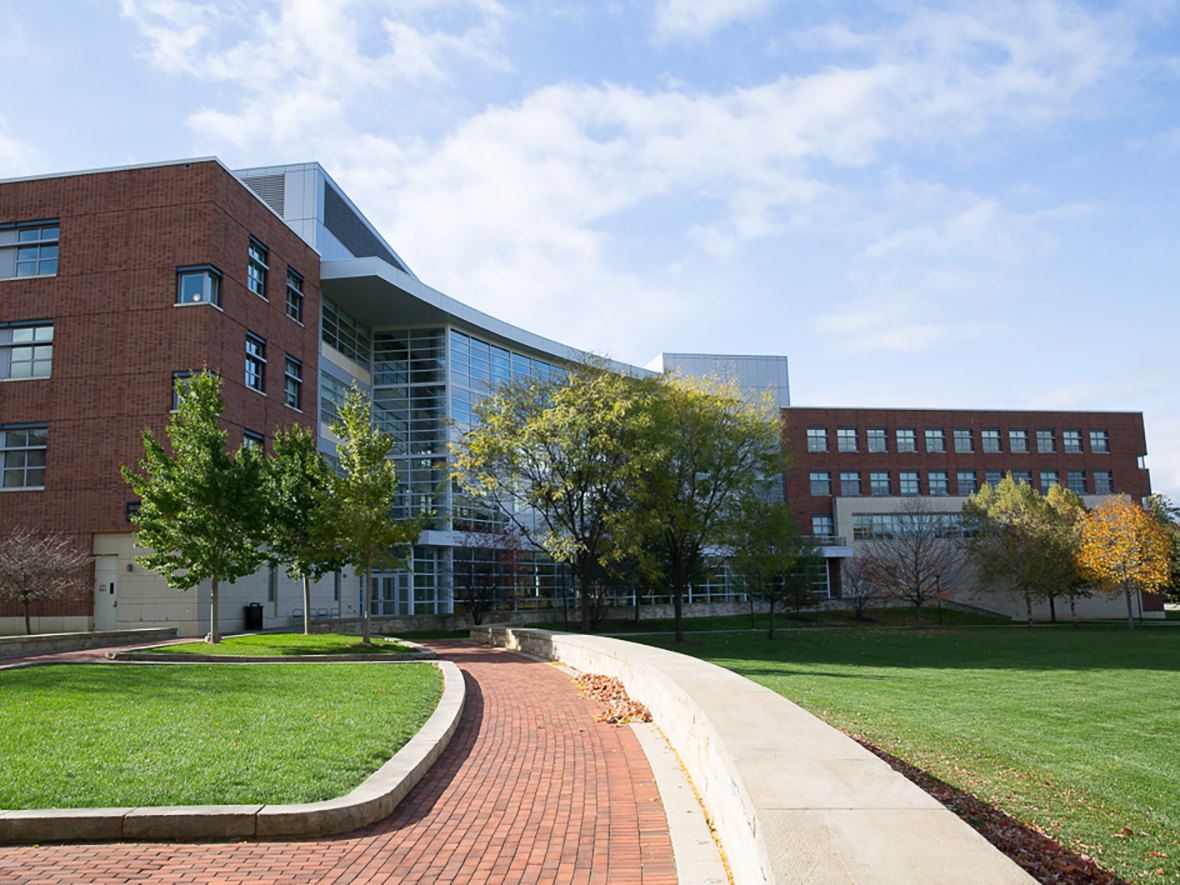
pixel 531 790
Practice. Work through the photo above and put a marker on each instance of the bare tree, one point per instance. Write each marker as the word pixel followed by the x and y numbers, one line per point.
pixel 915 555
pixel 856 589
pixel 487 567
pixel 37 568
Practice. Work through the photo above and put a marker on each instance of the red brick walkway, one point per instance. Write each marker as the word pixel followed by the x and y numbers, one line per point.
pixel 530 790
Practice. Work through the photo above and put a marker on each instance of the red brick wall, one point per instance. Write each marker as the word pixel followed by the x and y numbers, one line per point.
pixel 118 335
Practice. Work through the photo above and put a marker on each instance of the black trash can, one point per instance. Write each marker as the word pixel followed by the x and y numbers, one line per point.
pixel 254 616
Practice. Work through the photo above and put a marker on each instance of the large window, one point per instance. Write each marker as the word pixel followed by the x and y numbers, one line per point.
pixel 993 477
pixel 198 284
pixel 935 440
pixel 966 481
pixel 22 456
pixel 1018 440
pixel 823 525
pixel 26 351
pixel 1049 478
pixel 333 392
pixel 821 482
pixel 964 440
pixel 850 482
pixel 1046 441
pixel 879 483
pixel 1103 482
pixel 846 439
pixel 877 440
pixel 991 440
pixel 28 250
pixel 939 482
pixel 817 439
pixel 873 526
pixel 1024 476
pixel 1071 441
pixel 907 482
pixel 1099 441
pixel 293 383
pixel 1077 481
pixel 907 439
pixel 342 332
pixel 294 296
pixel 256 268
pixel 255 362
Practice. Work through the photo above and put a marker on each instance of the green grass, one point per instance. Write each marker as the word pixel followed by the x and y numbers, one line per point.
pixel 1072 730
pixel 120 735
pixel 286 644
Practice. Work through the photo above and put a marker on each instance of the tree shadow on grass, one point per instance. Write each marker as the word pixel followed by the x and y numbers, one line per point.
pixel 1047 861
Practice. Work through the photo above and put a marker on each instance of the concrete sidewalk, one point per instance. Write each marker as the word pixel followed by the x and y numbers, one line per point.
pixel 530 790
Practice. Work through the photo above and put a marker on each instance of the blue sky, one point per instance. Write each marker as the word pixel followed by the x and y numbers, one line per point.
pixel 968 205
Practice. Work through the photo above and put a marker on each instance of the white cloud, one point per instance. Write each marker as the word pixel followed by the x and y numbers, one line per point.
pixel 17 157
pixel 696 19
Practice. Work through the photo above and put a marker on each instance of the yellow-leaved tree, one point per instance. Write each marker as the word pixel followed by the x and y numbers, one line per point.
pixel 1124 550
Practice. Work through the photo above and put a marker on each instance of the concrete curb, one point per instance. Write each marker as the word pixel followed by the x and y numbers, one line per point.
pixel 791 799
pixel 373 800
pixel 164 657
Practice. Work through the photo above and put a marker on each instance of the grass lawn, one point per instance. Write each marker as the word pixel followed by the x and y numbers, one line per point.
pixel 284 644
pixel 1072 730
pixel 119 735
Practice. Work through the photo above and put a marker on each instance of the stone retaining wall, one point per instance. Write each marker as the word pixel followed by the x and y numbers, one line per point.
pixel 38 643
pixel 792 799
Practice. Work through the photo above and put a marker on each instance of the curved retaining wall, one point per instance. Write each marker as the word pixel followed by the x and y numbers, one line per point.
pixel 792 799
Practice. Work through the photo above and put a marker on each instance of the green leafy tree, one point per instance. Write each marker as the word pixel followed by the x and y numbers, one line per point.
pixel 705 450
pixel 1070 516
pixel 1023 541
pixel 201 515
pixel 365 489
pixel 557 456
pixel 301 516
pixel 1167 514
pixel 39 568
pixel 774 561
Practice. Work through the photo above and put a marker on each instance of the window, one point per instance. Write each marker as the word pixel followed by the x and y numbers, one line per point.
pixel 817 439
pixel 967 484
pixel 935 440
pixel 846 439
pixel 255 362
pixel 1099 442
pixel 964 440
pixel 1024 476
pixel 993 477
pixel 1018 440
pixel 907 482
pixel 877 440
pixel 1046 441
pixel 22 450
pixel 180 381
pixel 868 526
pixel 907 439
pixel 849 482
pixel 256 268
pixel 272 583
pixel 823 525
pixel 28 250
pixel 252 439
pixel 879 483
pixel 991 440
pixel 345 334
pixel 293 383
pixel 1077 481
pixel 1049 478
pixel 1071 441
pixel 294 296
pixel 940 483
pixel 26 350
pixel 198 284
pixel 1103 482
pixel 821 482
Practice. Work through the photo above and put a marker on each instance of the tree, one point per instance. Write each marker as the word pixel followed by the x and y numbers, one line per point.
pixel 1021 541
pixel 856 589
pixel 918 560
pixel 1070 518
pixel 39 568
pixel 774 561
pixel 201 516
pixel 486 567
pixel 365 490
pixel 1124 550
pixel 705 450
pixel 556 456
pixel 301 517
pixel 1167 514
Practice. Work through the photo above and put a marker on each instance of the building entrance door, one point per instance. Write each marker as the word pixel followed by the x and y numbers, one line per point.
pixel 106 571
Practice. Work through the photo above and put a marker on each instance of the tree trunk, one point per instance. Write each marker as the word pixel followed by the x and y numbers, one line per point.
pixel 1028 607
pixel 584 593
pixel 678 610
pixel 214 630
pixel 366 623
pixel 28 620
pixel 919 608
pixel 1130 611
pixel 1053 609
pixel 772 619
pixel 306 604
pixel 1073 609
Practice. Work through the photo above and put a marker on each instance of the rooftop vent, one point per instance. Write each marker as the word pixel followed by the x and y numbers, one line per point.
pixel 271 189
pixel 350 230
